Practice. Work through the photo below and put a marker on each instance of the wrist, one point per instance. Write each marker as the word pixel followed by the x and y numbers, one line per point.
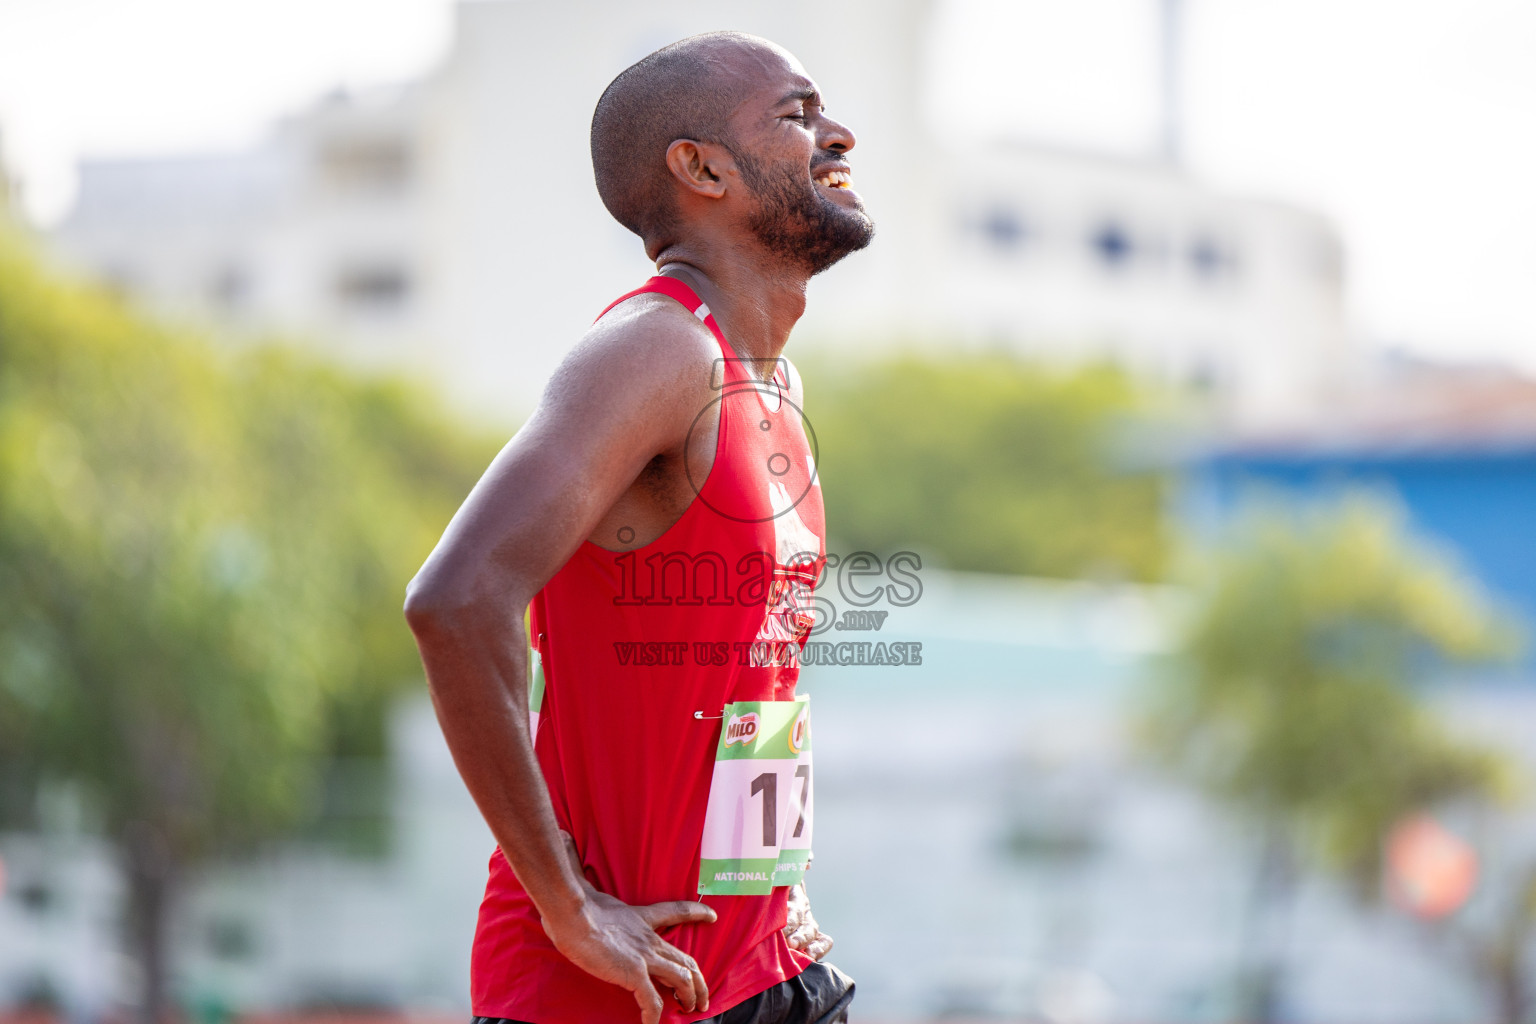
pixel 569 915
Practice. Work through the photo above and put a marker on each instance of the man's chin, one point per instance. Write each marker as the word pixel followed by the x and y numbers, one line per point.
pixel 854 231
pixel 820 235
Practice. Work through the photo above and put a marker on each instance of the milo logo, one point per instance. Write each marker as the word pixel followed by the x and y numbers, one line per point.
pixel 798 730
pixel 741 729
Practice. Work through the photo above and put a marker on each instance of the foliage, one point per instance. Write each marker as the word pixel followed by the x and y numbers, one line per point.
pixel 1292 698
pixel 990 464
pixel 202 557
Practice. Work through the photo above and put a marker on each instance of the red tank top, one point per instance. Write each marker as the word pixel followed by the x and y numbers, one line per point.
pixel 633 644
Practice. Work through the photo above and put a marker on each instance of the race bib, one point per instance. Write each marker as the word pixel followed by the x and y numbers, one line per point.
pixel 535 692
pixel 757 830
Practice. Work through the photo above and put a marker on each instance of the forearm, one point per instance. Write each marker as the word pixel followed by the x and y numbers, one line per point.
pixel 478 678
pixel 478 683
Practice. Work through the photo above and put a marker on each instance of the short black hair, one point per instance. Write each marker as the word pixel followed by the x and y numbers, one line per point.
pixel 678 92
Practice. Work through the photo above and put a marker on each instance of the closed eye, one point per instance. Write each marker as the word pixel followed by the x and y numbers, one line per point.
pixel 809 104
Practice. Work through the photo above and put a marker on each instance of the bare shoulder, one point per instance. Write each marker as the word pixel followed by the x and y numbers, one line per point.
pixel 649 345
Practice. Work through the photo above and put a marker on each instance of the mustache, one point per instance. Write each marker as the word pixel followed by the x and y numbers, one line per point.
pixel 827 161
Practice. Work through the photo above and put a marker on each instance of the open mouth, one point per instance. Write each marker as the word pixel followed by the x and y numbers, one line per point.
pixel 836 179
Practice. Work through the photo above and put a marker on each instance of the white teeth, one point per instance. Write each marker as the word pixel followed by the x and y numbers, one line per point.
pixel 835 179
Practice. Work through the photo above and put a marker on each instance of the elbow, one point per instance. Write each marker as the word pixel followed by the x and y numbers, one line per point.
pixel 443 606
pixel 431 608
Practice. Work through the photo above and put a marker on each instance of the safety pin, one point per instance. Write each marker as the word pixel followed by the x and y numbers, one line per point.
pixel 699 716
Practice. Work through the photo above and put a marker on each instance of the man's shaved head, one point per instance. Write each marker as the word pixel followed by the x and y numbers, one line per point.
pixel 682 91
pixel 750 105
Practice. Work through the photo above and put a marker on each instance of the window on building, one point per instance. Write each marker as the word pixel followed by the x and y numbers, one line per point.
pixel 1211 259
pixel 371 164
pixel 375 288
pixel 1003 228
pixel 999 228
pixel 1112 244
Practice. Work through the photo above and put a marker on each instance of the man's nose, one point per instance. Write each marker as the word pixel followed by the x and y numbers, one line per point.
pixel 836 136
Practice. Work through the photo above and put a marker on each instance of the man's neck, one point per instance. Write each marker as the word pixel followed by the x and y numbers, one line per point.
pixel 756 301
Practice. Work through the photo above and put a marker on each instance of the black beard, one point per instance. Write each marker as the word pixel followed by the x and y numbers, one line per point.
pixel 798 224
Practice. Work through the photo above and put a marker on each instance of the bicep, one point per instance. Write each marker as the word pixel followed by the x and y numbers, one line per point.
pixel 544 493
pixel 611 408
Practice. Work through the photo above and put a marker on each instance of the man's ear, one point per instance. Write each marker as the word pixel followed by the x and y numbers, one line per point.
pixel 702 167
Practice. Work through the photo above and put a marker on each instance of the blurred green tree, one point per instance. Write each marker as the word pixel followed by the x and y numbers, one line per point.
pixel 202 558
pixel 1292 699
pixel 991 464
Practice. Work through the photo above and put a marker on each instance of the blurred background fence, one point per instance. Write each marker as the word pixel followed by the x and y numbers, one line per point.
pixel 1220 569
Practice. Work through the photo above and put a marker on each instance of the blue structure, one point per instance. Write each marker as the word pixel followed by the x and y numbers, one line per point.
pixel 1476 500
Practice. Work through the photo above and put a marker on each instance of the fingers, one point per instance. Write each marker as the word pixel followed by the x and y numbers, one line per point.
pixel 801 930
pixel 678 971
pixel 811 941
pixel 649 1000
pixel 664 915
pixel 794 917
pixel 699 986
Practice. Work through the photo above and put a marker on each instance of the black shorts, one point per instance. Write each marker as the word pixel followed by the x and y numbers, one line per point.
pixel 820 994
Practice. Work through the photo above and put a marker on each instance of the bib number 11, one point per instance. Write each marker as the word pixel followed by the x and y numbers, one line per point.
pixel 757 829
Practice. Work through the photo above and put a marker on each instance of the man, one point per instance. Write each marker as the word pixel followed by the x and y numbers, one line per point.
pixel 659 518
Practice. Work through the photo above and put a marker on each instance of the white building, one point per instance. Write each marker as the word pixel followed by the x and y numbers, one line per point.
pixel 452 228
pixel 319 232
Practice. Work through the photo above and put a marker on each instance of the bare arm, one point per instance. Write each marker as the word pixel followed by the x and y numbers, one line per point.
pixel 628 393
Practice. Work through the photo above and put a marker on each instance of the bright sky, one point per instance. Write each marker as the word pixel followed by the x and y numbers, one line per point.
pixel 1411 122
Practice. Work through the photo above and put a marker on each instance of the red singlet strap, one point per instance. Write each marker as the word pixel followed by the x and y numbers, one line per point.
pixel 672 288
